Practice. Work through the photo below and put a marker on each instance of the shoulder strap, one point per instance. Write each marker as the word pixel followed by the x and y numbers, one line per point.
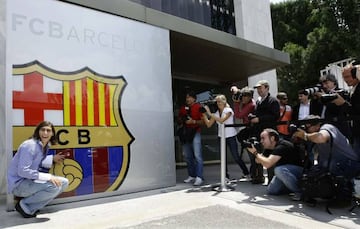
pixel 331 148
pixel 283 114
pixel 188 111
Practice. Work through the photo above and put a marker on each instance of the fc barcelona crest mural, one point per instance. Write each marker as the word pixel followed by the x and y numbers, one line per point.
pixel 85 108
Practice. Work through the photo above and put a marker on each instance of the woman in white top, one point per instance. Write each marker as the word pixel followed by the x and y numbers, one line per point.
pixel 225 115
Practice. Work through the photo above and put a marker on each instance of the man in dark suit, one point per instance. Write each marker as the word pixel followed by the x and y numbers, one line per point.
pixel 351 76
pixel 305 107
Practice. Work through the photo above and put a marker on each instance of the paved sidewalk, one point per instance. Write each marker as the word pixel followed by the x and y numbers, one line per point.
pixel 184 206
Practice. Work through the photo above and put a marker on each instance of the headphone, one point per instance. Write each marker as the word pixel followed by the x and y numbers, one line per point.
pixel 355 70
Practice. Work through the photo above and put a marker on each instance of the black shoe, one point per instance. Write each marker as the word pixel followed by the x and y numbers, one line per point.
pixel 296 197
pixel 258 180
pixel 21 211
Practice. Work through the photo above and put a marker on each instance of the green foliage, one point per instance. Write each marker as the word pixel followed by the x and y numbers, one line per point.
pixel 314 33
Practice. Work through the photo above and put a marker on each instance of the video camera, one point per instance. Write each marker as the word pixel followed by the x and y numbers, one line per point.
pixel 252 141
pixel 207 98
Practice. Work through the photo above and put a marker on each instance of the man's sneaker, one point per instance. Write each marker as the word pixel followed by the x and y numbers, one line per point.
pixel 189 179
pixel 296 197
pixel 198 181
pixel 227 180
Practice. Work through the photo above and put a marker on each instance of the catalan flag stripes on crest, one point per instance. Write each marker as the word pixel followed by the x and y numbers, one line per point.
pixel 90 107
pixel 41 96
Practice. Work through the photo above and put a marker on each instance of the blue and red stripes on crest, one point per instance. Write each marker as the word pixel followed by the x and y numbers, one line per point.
pixel 100 167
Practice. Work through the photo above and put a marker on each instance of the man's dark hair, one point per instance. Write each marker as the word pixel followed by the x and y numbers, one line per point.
pixel 273 133
pixel 191 94
pixel 36 134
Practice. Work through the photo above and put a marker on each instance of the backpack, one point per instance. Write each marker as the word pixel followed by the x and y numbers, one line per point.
pixel 318 183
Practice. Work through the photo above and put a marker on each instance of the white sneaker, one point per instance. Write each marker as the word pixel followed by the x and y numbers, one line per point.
pixel 198 181
pixel 189 179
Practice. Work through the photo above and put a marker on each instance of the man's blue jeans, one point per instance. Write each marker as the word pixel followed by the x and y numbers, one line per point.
pixel 37 195
pixel 193 156
pixel 286 180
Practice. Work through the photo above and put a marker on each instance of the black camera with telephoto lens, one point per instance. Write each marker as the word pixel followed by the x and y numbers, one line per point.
pixel 313 90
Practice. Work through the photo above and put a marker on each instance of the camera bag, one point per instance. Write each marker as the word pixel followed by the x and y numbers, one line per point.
pixel 318 182
pixel 186 134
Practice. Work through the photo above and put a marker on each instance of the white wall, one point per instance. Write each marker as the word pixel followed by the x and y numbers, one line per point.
pixel 253 23
pixel 3 131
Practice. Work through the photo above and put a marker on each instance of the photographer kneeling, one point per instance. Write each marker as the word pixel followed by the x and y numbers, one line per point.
pixel 286 160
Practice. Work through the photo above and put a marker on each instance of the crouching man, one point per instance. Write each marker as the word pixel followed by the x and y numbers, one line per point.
pixel 28 175
pixel 286 161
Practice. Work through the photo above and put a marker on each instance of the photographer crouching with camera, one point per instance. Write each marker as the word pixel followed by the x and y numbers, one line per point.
pixel 284 158
pixel 336 159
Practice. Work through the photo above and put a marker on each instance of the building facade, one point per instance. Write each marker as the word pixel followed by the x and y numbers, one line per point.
pixel 119 75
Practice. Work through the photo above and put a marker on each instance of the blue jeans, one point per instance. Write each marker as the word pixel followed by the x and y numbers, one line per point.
pixel 286 180
pixel 233 146
pixel 193 156
pixel 37 195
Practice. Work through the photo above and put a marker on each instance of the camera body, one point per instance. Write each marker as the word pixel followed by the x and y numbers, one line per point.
pixel 251 141
pixel 211 104
pixel 327 98
pixel 237 97
pixel 251 116
pixel 293 128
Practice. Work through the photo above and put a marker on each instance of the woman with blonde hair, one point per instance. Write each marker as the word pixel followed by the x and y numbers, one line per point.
pixel 225 115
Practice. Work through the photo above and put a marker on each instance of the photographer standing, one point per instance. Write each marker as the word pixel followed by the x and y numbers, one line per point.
pixel 286 160
pixel 225 115
pixel 190 117
pixel 351 75
pixel 244 104
pixel 331 112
